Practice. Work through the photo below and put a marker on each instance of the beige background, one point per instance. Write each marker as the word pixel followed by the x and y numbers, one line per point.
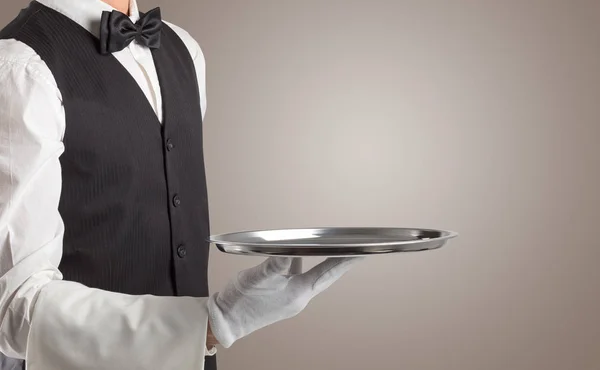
pixel 476 116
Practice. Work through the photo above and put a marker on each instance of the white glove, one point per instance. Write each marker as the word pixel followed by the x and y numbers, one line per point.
pixel 266 294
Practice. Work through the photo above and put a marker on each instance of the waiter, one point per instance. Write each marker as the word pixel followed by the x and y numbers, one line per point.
pixel 104 217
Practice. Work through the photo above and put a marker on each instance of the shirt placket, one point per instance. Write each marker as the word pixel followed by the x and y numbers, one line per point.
pixel 143 58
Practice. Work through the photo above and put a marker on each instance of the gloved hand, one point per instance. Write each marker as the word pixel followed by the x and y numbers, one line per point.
pixel 267 293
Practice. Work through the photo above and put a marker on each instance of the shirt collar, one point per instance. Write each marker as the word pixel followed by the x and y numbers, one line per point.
pixel 87 13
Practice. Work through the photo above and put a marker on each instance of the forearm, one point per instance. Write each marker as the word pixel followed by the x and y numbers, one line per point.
pixel 76 327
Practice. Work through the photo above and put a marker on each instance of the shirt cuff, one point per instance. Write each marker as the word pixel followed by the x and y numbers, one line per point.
pixel 210 352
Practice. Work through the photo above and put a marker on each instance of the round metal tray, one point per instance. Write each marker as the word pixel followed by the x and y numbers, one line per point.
pixel 331 241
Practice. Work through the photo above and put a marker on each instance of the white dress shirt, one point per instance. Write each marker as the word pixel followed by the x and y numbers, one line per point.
pixel 52 323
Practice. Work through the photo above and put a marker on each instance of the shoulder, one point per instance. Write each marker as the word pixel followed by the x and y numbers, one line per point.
pixel 192 45
pixel 19 60
pixel 197 57
pixel 29 94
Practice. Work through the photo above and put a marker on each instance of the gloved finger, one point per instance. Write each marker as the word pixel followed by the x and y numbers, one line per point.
pixel 296 267
pixel 276 266
pixel 262 274
pixel 270 266
pixel 327 272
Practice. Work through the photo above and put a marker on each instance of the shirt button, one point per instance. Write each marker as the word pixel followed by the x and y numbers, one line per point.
pixel 170 145
pixel 181 251
pixel 176 200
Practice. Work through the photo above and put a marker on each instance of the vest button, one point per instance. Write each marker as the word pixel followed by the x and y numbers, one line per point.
pixel 181 251
pixel 176 200
pixel 170 145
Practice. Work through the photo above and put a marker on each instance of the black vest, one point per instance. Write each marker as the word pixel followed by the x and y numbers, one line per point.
pixel 134 197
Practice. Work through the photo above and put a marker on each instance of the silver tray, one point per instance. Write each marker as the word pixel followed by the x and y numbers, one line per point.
pixel 331 241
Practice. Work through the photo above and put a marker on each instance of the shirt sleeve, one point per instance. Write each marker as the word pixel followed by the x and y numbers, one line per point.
pixel 51 323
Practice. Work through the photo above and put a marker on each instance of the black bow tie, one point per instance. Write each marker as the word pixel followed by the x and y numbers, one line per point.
pixel 117 31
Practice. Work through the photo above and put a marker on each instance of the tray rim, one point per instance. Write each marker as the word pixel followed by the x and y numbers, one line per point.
pixel 446 235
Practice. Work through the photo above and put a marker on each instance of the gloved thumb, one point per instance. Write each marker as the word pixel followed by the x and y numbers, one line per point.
pixel 327 272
